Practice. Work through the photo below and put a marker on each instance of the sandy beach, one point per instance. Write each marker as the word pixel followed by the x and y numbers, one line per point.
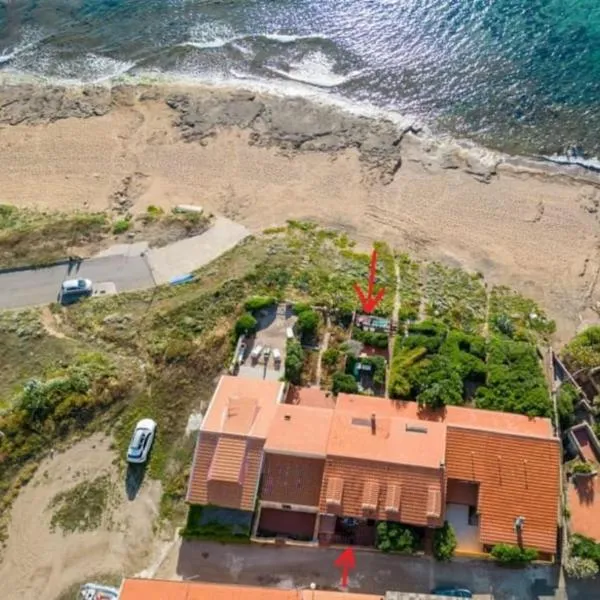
pixel 262 160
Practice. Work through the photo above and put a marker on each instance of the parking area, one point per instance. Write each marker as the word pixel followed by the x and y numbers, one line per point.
pixel 264 354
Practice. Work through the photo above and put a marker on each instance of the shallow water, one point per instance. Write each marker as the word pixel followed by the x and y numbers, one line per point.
pixel 518 75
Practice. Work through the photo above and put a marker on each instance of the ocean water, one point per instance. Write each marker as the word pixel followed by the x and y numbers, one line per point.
pixel 522 76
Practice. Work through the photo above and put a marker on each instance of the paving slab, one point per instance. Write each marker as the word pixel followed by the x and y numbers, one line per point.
pixel 185 256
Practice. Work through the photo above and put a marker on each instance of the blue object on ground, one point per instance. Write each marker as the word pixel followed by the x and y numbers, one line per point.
pixel 181 279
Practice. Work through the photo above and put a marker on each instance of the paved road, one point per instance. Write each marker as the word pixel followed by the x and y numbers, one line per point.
pixel 40 286
pixel 375 573
pixel 124 265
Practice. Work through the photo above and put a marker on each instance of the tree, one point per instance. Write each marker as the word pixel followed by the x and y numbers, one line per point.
pixel 444 542
pixel 583 351
pixel 439 384
pixel 294 360
pixel 566 399
pixel 308 321
pixel 246 324
pixel 330 357
pixel 344 383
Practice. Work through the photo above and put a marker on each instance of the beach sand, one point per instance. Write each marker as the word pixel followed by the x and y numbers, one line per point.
pixel 533 231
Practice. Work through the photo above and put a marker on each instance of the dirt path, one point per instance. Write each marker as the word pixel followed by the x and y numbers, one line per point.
pixel 40 564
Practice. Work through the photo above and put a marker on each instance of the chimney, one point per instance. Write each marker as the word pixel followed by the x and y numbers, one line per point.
pixel 373 424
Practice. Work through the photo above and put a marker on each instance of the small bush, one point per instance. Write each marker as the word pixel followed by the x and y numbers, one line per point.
pixel 330 357
pixel 581 467
pixel 308 321
pixel 121 226
pixel 566 399
pixel 246 324
pixel 256 303
pixel 580 568
pixel 301 307
pixel 344 383
pixel 393 537
pixel 585 547
pixel 444 542
pixel 154 211
pixel 513 555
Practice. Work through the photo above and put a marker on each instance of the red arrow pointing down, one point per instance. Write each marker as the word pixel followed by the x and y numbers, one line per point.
pixel 346 562
pixel 369 302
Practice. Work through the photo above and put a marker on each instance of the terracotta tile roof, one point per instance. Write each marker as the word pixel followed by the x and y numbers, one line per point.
pixel 292 480
pixel 356 474
pixel 299 430
pixel 583 496
pixel 394 440
pixel 221 490
pixel 155 589
pixel 434 501
pixel 517 475
pixel 310 396
pixel 473 418
pixel 243 406
pixel 228 459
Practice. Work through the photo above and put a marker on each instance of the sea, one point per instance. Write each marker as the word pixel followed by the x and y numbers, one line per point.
pixel 519 76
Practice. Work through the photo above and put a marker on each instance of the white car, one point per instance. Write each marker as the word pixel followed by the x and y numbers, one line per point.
pixel 141 441
pixel 72 290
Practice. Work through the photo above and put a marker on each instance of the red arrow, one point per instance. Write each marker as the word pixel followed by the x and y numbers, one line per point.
pixel 369 302
pixel 346 562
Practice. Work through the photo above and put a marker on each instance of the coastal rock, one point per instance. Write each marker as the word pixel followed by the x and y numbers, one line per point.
pixel 31 104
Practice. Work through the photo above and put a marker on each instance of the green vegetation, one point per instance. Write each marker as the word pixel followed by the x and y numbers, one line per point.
pixel 82 507
pixel 433 364
pixel 580 568
pixel 444 542
pixel 586 548
pixel 583 351
pixel 308 322
pixel 218 532
pixel 513 316
pixel 515 381
pixel 566 400
pixel 258 303
pixel 580 467
pixel 246 325
pixel 294 360
pixel 375 339
pixel 513 555
pixel 344 383
pixel 29 237
pixel 121 226
pixel 394 537
pixel 331 357
pixel 456 297
pixel 410 293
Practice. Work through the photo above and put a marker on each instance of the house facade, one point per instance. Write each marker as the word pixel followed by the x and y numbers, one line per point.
pixel 327 472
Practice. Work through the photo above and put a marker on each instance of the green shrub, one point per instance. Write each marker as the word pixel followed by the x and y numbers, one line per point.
pixel 121 226
pixel 444 542
pixel 344 383
pixel 330 357
pixel 375 339
pixel 256 303
pixel 154 211
pixel 308 321
pixel 585 547
pixel 393 537
pixel 245 325
pixel 583 351
pixel 566 400
pixel 301 307
pixel 438 384
pixel 581 568
pixel 582 467
pixel 514 555
pixel 294 361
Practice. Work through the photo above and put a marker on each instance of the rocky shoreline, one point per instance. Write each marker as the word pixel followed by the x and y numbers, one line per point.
pixel 292 124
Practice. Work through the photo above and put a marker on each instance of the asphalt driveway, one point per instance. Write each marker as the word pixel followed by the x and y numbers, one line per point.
pixel 376 573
